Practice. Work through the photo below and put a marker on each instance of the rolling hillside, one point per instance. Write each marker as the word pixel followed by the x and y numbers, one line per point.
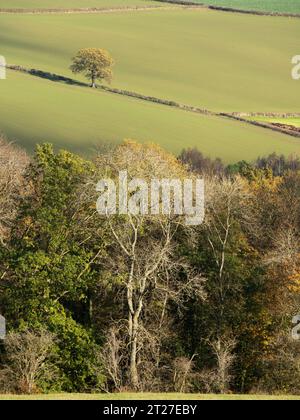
pixel 36 110
pixel 214 60
pixel 223 62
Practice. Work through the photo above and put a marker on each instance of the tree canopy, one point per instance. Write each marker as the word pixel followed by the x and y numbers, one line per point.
pixel 94 63
pixel 142 302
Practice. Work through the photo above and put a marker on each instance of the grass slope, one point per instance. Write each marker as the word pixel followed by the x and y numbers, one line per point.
pixel 141 396
pixel 65 4
pixel 35 110
pixel 283 6
pixel 224 62
pixel 280 6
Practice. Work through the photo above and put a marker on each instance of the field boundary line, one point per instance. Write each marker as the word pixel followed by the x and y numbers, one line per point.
pixel 62 79
pixel 89 10
pixel 261 124
pixel 267 114
pixel 176 3
pixel 231 9
pixel 172 104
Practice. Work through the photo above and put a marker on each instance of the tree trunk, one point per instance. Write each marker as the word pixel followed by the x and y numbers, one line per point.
pixel 133 337
pixel 134 377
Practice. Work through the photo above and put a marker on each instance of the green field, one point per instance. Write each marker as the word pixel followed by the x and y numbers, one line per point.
pixel 65 4
pixel 281 6
pixel 37 110
pixel 215 60
pixel 291 121
pixel 141 396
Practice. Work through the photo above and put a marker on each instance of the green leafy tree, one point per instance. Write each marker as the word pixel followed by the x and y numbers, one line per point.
pixel 94 63
pixel 233 311
pixel 48 274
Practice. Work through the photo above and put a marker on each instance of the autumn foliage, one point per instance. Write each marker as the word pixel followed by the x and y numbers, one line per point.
pixel 147 303
pixel 94 63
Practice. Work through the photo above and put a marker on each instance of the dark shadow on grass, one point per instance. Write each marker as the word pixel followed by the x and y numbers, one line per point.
pixel 47 75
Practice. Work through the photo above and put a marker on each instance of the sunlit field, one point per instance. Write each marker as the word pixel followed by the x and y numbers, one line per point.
pixel 53 4
pixel 222 62
pixel 34 110
pixel 280 6
pixel 215 60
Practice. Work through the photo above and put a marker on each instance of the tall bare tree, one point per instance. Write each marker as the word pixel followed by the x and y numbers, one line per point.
pixel 142 254
pixel 226 203
pixel 13 162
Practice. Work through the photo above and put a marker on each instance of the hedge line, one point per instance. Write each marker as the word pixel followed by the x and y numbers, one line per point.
pixel 230 9
pixel 157 100
pixel 57 78
pixel 76 10
pixel 262 124
pixel 178 2
pixel 182 3
pixel 253 12
pixel 267 114
pixel 46 75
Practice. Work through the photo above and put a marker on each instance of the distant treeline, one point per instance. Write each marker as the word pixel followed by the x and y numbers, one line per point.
pixel 277 164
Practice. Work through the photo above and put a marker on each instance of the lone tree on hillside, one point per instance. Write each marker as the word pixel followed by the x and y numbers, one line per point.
pixel 94 63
